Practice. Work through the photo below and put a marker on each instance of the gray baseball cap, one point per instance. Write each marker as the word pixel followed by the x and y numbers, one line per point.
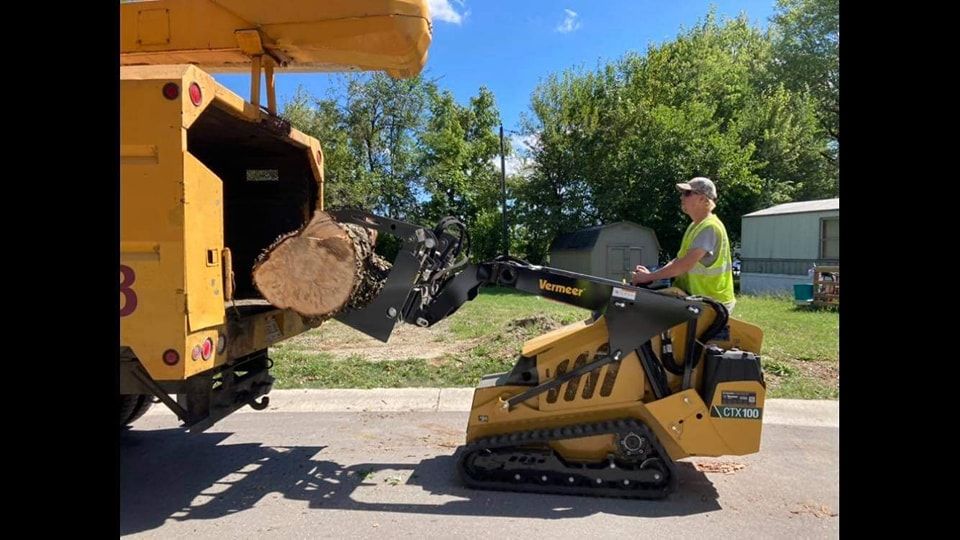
pixel 700 185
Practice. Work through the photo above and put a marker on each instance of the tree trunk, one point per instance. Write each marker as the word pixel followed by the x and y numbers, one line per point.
pixel 321 269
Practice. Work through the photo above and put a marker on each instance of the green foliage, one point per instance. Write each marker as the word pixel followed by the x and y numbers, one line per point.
pixel 807 46
pixel 614 141
pixel 408 150
pixel 460 147
pixel 755 111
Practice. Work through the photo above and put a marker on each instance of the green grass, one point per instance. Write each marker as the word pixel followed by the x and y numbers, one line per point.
pixel 790 332
pixel 801 346
pixel 805 388
pixel 800 354
pixel 494 307
pixel 299 370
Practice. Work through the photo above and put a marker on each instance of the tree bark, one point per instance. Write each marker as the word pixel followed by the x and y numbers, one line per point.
pixel 322 269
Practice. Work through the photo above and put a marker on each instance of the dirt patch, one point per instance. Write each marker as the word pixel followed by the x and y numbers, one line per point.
pixel 718 466
pixel 825 372
pixel 533 325
pixel 817 510
pixel 537 321
pixel 407 341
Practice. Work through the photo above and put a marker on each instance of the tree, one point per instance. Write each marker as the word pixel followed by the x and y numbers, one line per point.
pixel 369 136
pixel 459 167
pixel 614 141
pixel 408 150
pixel 382 118
pixel 807 47
pixel 555 197
pixel 345 183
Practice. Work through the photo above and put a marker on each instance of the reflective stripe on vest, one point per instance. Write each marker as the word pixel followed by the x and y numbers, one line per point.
pixel 701 270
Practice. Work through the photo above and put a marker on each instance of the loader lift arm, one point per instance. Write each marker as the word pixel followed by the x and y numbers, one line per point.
pixel 632 315
pixel 431 279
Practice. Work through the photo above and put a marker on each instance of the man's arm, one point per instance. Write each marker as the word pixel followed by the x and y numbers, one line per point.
pixel 672 269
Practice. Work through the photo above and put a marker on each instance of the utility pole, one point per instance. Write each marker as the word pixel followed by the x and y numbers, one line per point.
pixel 503 193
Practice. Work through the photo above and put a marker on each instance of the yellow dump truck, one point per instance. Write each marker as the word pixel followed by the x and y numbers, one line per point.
pixel 209 179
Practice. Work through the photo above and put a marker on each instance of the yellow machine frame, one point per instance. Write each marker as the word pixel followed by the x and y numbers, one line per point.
pixel 682 421
pixel 177 271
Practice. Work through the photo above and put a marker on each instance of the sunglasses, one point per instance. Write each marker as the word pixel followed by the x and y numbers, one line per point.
pixel 686 193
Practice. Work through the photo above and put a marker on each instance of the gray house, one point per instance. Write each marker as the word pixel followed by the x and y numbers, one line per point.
pixel 610 251
pixel 780 244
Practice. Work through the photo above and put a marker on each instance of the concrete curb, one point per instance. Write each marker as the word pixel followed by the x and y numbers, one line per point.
pixel 798 412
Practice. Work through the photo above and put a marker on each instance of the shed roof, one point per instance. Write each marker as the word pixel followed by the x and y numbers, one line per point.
pixel 586 238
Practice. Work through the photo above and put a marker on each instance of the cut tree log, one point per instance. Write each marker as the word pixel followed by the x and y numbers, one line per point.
pixel 322 269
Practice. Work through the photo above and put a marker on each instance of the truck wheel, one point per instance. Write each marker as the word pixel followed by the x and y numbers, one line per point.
pixel 133 406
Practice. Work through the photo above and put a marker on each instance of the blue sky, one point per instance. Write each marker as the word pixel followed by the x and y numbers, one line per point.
pixel 510 45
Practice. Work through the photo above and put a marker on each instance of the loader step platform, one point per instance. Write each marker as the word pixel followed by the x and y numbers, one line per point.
pixel 523 461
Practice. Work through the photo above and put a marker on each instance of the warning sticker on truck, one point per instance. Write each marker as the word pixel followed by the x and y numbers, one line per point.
pixel 739 398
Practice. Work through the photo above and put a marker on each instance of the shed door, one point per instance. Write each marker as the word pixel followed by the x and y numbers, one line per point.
pixel 636 257
pixel 618 262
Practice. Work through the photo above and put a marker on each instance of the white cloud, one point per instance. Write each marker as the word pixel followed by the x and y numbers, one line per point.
pixel 441 10
pixel 520 162
pixel 514 165
pixel 570 23
pixel 524 143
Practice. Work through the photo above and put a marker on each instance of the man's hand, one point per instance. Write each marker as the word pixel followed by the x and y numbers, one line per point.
pixel 641 275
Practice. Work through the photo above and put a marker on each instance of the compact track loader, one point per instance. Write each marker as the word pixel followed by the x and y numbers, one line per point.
pixel 605 406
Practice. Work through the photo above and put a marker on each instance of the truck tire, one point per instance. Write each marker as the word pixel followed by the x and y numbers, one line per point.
pixel 133 406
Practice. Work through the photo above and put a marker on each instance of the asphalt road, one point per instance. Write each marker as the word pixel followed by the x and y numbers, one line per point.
pixel 371 464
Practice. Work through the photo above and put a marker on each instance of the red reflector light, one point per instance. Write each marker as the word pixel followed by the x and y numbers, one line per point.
pixel 171 357
pixel 171 91
pixel 195 95
pixel 207 348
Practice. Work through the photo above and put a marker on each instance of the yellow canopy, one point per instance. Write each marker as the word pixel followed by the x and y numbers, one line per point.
pixel 299 35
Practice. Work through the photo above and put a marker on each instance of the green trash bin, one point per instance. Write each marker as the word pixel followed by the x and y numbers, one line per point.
pixel 803 292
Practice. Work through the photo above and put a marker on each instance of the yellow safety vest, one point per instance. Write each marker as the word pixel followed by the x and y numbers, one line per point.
pixel 714 281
